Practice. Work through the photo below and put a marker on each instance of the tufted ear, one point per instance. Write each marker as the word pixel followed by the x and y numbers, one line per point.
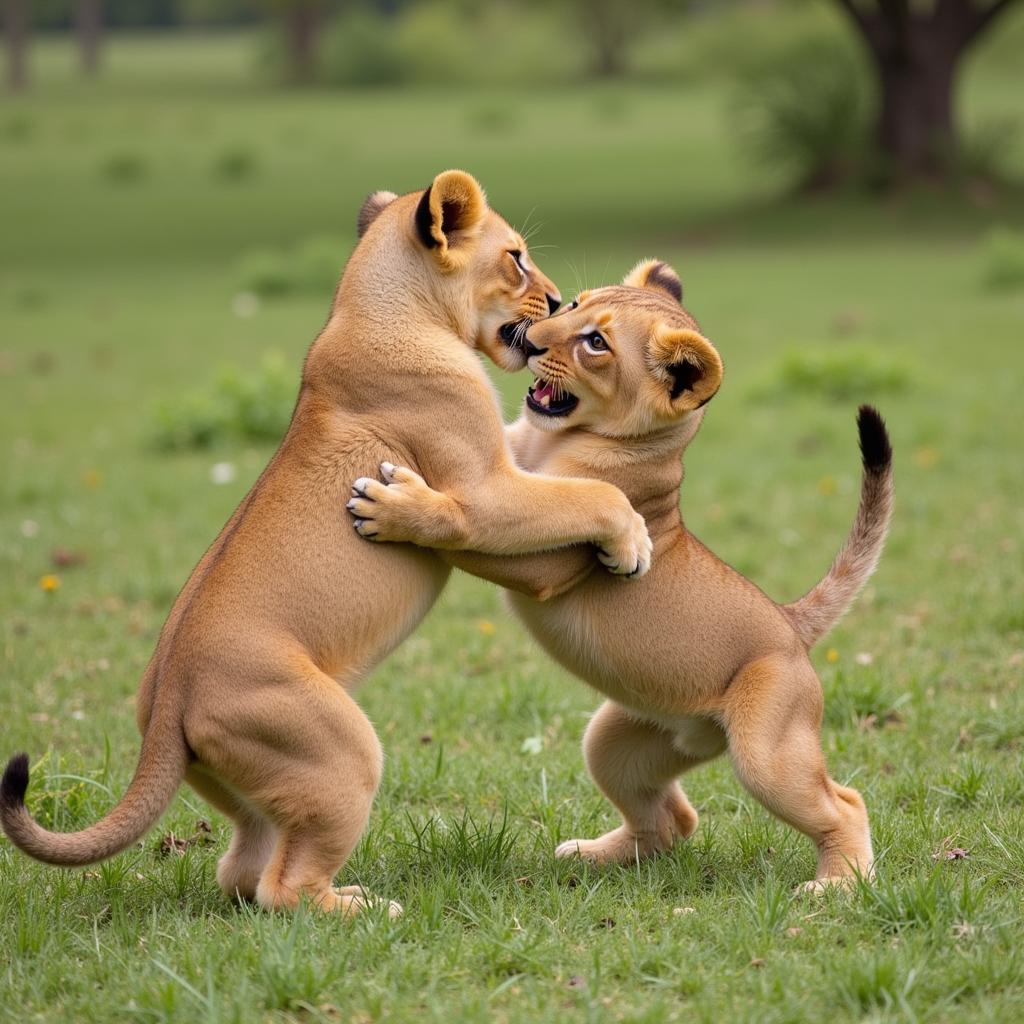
pixel 658 275
pixel 449 215
pixel 687 366
pixel 374 203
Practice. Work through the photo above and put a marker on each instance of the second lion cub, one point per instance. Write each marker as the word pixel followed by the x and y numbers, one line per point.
pixel 694 658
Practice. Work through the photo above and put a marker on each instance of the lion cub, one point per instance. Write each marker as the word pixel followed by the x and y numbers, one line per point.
pixel 694 658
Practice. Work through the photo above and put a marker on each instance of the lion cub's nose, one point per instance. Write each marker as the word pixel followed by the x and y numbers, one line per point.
pixel 553 303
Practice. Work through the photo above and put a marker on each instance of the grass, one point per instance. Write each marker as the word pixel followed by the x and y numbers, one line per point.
pixel 127 225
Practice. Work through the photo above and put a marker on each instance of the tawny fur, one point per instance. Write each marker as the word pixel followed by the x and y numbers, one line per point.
pixel 694 658
pixel 248 694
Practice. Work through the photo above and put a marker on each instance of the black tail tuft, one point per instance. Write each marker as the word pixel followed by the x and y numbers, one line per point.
pixel 875 448
pixel 15 782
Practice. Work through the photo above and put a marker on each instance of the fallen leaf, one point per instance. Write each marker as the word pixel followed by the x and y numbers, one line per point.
pixel 757 962
pixel 794 932
pixel 954 853
pixel 177 845
pixel 65 558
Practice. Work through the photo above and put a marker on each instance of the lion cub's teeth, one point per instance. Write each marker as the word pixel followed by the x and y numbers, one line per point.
pixel 546 401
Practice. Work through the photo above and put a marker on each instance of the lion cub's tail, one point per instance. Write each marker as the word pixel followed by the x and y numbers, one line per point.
pixel 160 771
pixel 822 607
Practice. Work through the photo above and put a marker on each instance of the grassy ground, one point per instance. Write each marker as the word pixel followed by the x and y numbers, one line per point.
pixel 128 211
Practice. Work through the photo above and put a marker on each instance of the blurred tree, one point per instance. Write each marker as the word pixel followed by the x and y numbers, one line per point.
pixel 219 12
pixel 610 27
pixel 915 49
pixel 16 32
pixel 89 30
pixel 301 22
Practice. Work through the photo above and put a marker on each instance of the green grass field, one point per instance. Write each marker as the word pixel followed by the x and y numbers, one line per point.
pixel 128 211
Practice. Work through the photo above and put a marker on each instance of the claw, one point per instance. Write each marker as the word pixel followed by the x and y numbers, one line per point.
pixel 387 470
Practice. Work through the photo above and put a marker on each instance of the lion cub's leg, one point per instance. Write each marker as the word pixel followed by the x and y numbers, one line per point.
pixel 635 764
pixel 773 720
pixel 302 754
pixel 252 843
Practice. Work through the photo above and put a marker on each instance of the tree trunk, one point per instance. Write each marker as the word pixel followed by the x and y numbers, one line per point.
pixel 301 24
pixel 916 131
pixel 16 31
pixel 89 28
pixel 916 50
pixel 603 22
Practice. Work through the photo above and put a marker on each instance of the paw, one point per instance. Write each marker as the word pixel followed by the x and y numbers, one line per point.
pixel 629 554
pixel 832 883
pixel 388 511
pixel 353 900
pixel 617 847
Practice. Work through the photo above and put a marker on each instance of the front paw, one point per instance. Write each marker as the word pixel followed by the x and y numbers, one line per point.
pixel 389 511
pixel 629 554
pixel 617 847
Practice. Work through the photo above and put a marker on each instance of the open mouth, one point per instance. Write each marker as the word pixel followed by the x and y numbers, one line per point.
pixel 513 334
pixel 550 399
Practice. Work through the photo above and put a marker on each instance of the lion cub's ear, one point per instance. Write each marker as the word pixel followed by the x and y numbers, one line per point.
pixel 657 275
pixel 449 215
pixel 375 202
pixel 686 365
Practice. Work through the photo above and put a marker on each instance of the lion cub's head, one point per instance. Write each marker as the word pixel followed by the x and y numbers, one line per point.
pixel 622 361
pixel 463 260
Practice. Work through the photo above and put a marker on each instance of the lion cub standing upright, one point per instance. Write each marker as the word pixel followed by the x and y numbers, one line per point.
pixel 248 696
pixel 694 658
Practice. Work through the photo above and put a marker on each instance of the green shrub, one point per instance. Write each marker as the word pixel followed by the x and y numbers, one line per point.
pixel 1003 260
pixel 806 112
pixel 242 407
pixel 235 164
pixel 362 48
pixel 124 168
pixel 987 150
pixel 839 373
pixel 310 268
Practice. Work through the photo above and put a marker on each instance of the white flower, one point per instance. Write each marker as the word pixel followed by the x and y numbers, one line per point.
pixel 245 305
pixel 532 745
pixel 223 472
pixel 29 528
pixel 864 658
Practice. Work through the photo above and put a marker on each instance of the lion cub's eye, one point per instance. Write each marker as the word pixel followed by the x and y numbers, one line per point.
pixel 595 343
pixel 517 257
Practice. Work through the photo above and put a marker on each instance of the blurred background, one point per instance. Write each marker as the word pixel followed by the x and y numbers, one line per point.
pixel 837 182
